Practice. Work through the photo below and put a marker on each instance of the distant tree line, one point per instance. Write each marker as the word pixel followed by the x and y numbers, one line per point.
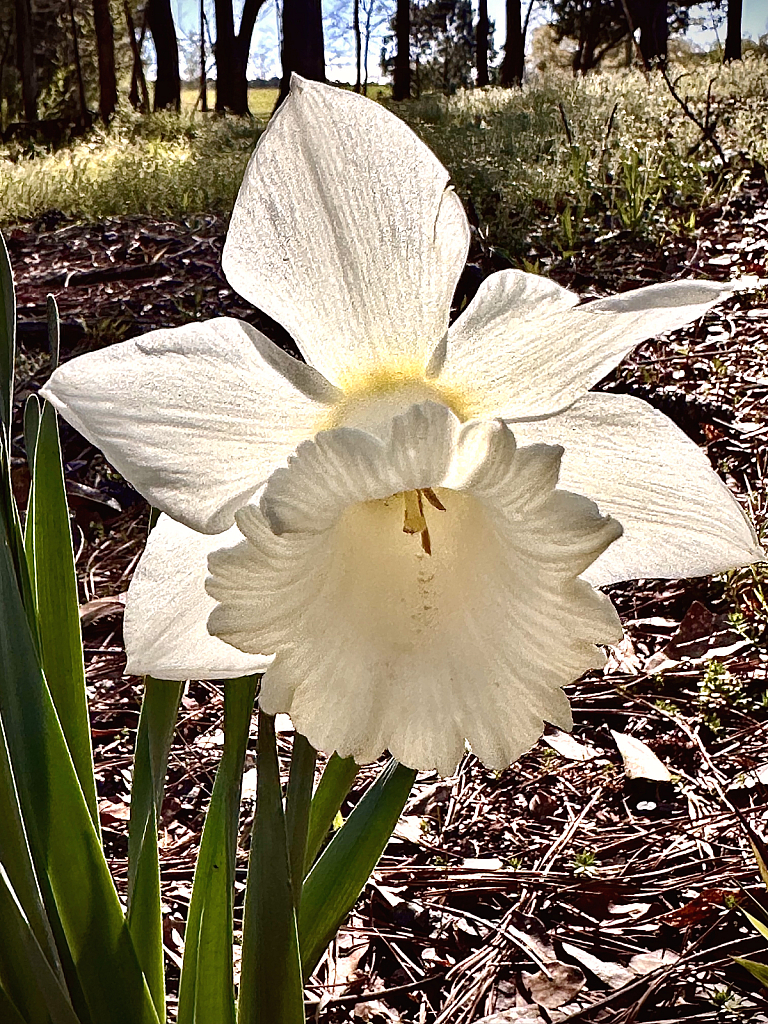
pixel 60 58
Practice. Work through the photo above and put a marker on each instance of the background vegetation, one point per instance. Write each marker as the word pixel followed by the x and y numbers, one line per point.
pixel 563 160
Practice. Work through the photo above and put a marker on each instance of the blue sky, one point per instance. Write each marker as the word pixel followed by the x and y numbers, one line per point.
pixel 265 58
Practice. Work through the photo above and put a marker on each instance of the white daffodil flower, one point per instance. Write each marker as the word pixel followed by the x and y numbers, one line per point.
pixel 410 577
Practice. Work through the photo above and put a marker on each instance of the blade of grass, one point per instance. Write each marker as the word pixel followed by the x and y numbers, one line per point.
pixel 298 799
pixel 65 846
pixel 757 970
pixel 157 720
pixel 270 981
pixel 335 783
pixel 207 992
pixel 335 882
pixel 54 582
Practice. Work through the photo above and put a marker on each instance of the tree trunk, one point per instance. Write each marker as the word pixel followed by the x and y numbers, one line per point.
pixel 654 32
pixel 401 85
pixel 168 84
pixel 513 65
pixel 251 10
pixel 482 43
pixel 733 38
pixel 368 17
pixel 203 69
pixel 85 117
pixel 137 71
pixel 25 60
pixel 358 43
pixel 105 49
pixel 226 60
pixel 303 49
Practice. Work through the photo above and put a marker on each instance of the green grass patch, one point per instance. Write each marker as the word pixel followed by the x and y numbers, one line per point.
pixel 261 101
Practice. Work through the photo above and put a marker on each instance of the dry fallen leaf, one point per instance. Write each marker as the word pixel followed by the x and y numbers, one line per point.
pixel 569 747
pixel 520 1015
pixel 707 904
pixel 640 762
pixel 375 1012
pixel 623 659
pixel 613 975
pixel 644 963
pixel 111 812
pixel 565 983
pixel 101 607
pixel 409 829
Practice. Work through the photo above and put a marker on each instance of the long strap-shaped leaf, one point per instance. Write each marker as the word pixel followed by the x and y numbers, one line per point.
pixel 9 1014
pixel 206 992
pixel 7 338
pixel 17 861
pixel 159 709
pixel 298 801
pixel 270 982
pixel 25 972
pixel 335 783
pixel 337 879
pixel 51 563
pixel 64 844
pixel 10 525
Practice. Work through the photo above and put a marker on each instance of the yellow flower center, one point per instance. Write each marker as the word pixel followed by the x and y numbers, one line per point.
pixel 373 399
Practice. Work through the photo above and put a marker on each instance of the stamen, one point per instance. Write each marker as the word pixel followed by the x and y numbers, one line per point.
pixel 433 499
pixel 414 520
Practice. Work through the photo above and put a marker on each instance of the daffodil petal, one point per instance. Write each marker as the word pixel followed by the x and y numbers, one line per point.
pixel 345 231
pixel 522 349
pixel 167 608
pixel 679 518
pixel 381 645
pixel 194 417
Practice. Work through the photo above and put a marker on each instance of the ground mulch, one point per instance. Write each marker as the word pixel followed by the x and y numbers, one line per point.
pixel 596 880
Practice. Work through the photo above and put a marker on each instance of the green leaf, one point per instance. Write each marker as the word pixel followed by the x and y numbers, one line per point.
pixel 54 583
pixel 10 525
pixel 756 923
pixel 77 888
pixel 7 339
pixel 760 850
pixel 298 799
pixel 15 857
pixel 31 427
pixel 336 782
pixel 25 972
pixel 8 1012
pixel 159 709
pixel 206 992
pixel 270 981
pixel 335 882
pixel 757 970
pixel 54 330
